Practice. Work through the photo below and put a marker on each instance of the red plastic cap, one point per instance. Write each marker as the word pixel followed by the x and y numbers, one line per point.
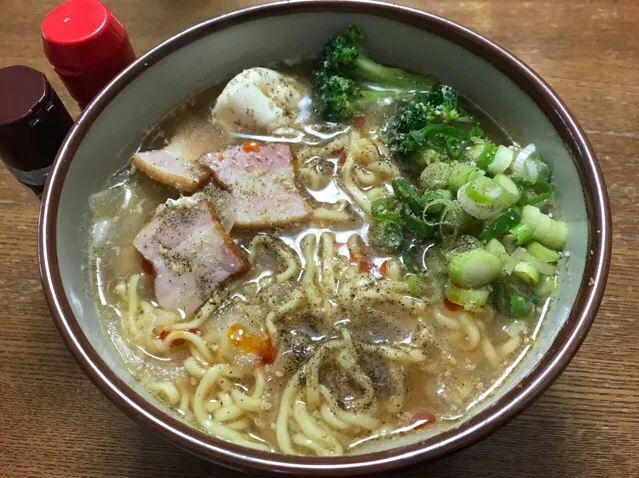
pixel 81 33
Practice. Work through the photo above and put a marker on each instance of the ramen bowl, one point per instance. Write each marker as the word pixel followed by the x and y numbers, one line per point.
pixel 110 129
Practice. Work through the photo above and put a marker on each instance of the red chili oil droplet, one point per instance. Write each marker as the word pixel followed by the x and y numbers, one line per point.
pixel 259 345
pixel 251 147
pixel 342 157
pixel 422 419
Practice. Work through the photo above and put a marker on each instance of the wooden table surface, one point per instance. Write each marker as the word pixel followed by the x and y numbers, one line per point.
pixel 55 423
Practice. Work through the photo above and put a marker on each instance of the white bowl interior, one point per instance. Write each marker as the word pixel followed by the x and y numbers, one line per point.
pixel 114 136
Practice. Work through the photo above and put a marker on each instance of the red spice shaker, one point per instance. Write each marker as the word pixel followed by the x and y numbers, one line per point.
pixel 86 45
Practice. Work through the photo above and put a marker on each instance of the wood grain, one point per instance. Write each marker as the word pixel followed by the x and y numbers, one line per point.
pixel 54 422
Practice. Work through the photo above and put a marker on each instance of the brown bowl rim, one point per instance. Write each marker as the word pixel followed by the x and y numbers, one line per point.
pixel 197 442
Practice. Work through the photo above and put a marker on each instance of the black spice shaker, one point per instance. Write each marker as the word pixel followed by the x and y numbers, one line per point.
pixel 33 125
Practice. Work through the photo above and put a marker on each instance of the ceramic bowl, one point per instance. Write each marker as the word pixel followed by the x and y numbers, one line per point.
pixel 109 130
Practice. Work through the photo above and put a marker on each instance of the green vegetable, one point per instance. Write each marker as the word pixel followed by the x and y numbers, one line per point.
pixel 386 208
pixel 509 301
pixel 542 253
pixel 470 299
pixel 436 201
pixel 420 138
pixel 483 190
pixel 460 174
pixel 523 233
pixel 526 272
pixel 497 249
pixel 390 234
pixel 502 224
pixel 548 231
pixel 435 176
pixel 522 255
pixel 431 107
pixel 502 159
pixel 344 68
pixel 518 306
pixel 416 224
pixel 542 192
pixel 546 286
pixel 510 192
pixel 455 219
pixel 487 156
pixel 474 268
pixel 407 193
pixel 510 243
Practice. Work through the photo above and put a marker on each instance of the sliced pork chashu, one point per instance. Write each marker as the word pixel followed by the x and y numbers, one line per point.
pixel 261 181
pixel 191 253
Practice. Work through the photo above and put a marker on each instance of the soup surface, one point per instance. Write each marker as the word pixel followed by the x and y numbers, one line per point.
pixel 306 268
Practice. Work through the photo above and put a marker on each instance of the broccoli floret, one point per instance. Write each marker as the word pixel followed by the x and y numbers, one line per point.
pixel 346 78
pixel 408 129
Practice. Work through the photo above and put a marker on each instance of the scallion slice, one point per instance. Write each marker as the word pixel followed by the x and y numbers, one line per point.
pixel 470 299
pixel 474 268
pixel 386 208
pixel 523 232
pixel 542 253
pixel 502 224
pixel 526 272
pixel 483 190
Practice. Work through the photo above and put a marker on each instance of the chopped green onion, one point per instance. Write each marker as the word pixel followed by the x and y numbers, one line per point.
pixel 460 174
pixel 483 190
pixel 546 286
pixel 386 208
pixel 479 211
pixel 518 306
pixel 501 161
pixel 437 195
pixel 523 233
pixel 435 176
pixel 416 139
pixel 497 249
pixel 526 272
pixel 510 243
pixel 407 193
pixel 508 301
pixel 510 192
pixel 522 255
pixel 416 224
pixel 474 268
pixel 486 157
pixel 453 147
pixel 434 201
pixel 542 253
pixel 390 234
pixel 556 236
pixel 543 192
pixel 502 224
pixel 470 299
pixel 548 231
